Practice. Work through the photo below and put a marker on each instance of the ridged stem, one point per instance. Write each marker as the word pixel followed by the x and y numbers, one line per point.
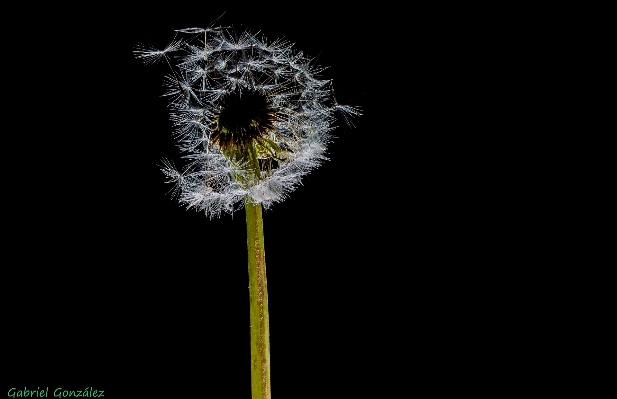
pixel 258 294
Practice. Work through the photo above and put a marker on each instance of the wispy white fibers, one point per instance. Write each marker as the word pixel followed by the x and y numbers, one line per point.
pixel 205 65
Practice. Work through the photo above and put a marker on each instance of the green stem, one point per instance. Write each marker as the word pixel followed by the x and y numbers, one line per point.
pixel 258 294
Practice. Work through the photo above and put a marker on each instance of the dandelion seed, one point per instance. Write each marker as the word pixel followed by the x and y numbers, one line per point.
pixel 150 55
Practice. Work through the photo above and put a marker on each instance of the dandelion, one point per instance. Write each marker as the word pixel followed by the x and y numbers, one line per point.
pixel 252 117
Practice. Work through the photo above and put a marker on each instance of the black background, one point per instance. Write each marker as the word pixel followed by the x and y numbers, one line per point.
pixel 109 283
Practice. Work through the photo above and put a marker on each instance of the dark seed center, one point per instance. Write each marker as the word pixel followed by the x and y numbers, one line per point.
pixel 245 116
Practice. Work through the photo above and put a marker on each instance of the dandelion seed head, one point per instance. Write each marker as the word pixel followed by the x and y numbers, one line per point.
pixel 252 116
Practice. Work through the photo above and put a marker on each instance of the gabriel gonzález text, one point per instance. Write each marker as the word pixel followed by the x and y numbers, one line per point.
pixel 58 393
